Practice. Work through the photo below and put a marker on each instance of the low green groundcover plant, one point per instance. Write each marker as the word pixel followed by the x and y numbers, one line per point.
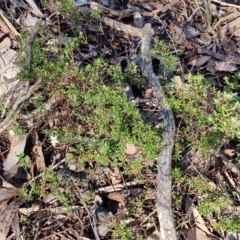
pixel 208 116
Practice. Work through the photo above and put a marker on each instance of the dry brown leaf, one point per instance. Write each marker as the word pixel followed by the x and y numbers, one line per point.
pixel 231 28
pixel 148 93
pixel 3 26
pixel 17 147
pixel 5 184
pixel 225 67
pixel 131 149
pixel 195 216
pixel 116 181
pixel 7 216
pixel 116 197
pixel 35 207
pixel 196 234
pixel 38 153
pixel 15 226
pixel 7 27
pixel 34 9
pixel 5 45
pixel 203 227
pixel 199 61
pixel 116 176
pixel 8 193
pixel 211 66
pixel 3 205
pixel 229 152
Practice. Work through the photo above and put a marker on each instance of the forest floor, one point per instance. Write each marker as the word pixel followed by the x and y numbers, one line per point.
pixel 81 126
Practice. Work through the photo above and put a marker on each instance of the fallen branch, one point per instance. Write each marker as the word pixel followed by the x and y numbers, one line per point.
pixel 164 183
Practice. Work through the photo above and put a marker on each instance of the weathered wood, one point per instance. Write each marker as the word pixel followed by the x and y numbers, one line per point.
pixel 164 183
pixel 133 31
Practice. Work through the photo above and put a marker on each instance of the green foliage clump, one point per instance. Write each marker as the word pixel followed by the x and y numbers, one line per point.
pixel 50 183
pixel 112 120
pixel 133 76
pixel 214 202
pixel 228 223
pixel 99 121
pixel 106 121
pixel 41 66
pixel 163 51
pixel 68 9
pixel 121 230
pixel 207 115
pixel 177 176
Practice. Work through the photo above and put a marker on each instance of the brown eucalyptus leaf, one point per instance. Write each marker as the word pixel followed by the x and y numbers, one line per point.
pixel 8 193
pixel 196 234
pixel 17 146
pixel 116 196
pixel 229 152
pixel 230 28
pixel 7 216
pixel 224 66
pixel 131 149
pixel 37 153
pixel 199 61
pixel 15 225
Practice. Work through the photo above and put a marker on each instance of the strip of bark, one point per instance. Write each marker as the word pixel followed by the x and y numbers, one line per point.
pixel 164 182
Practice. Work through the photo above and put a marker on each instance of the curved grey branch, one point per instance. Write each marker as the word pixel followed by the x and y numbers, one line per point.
pixel 164 183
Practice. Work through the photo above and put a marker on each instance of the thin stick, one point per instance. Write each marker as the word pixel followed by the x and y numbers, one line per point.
pixel 164 182
pixel 225 4
pixel 94 225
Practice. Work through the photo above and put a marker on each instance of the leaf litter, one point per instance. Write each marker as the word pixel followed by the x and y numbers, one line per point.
pixel 213 53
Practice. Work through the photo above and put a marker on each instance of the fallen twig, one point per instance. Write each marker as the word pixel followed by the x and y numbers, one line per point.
pixel 116 187
pixel 133 31
pixel 164 183
pixel 225 4
pixel 93 224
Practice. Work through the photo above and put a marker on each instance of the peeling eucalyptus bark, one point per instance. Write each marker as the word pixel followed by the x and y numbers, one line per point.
pixel 164 182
